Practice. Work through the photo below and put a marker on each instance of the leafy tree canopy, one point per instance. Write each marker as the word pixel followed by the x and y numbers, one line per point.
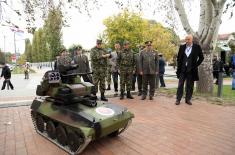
pixel 132 27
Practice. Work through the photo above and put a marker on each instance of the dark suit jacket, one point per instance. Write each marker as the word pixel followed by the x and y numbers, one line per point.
pixel 162 65
pixel 6 72
pixel 197 58
pixel 83 63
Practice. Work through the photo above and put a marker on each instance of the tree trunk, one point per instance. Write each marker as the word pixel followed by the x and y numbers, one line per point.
pixel 205 83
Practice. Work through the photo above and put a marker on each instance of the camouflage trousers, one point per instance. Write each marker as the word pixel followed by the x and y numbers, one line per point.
pixel 125 80
pixel 108 76
pixel 99 81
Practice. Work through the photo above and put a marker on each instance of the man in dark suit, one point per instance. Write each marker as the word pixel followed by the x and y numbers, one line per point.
pixel 190 56
pixel 83 64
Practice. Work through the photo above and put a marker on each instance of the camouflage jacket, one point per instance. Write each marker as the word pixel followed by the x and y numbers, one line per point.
pixel 149 62
pixel 63 64
pixel 64 61
pixel 98 63
pixel 126 60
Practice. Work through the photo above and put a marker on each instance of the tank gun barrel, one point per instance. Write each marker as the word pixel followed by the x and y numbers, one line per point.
pixel 74 74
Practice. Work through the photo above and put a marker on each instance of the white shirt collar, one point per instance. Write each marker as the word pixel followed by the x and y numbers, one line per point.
pixel 188 50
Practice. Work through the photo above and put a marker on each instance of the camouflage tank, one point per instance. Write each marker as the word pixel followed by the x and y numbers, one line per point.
pixel 66 114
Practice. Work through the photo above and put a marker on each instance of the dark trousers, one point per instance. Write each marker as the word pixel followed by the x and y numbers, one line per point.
pixel 149 79
pixel 133 81
pixel 139 82
pixel 162 82
pixel 189 86
pixel 9 83
pixel 115 80
pixel 26 75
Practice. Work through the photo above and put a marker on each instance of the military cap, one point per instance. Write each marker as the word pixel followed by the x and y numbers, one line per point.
pixel 148 42
pixel 78 47
pixel 126 42
pixel 98 41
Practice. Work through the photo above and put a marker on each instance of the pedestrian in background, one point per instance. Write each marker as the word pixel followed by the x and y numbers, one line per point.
pixel 26 71
pixel 216 66
pixel 99 60
pixel 113 61
pixel 162 65
pixel 149 69
pixel 126 66
pixel 232 65
pixel 189 57
pixel 6 74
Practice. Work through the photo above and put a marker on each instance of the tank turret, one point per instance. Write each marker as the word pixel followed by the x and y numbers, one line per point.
pixel 68 115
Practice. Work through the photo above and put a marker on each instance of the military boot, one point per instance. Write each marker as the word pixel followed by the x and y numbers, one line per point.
pixel 128 95
pixel 122 95
pixel 102 98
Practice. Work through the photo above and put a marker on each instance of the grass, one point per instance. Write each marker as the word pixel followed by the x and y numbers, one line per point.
pixel 20 70
pixel 228 95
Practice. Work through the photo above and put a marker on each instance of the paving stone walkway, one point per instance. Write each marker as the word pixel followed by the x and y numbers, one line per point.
pixel 159 127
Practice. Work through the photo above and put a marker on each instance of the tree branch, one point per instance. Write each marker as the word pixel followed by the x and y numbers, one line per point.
pixel 213 2
pixel 208 19
pixel 183 17
pixel 214 26
pixel 222 2
pixel 202 18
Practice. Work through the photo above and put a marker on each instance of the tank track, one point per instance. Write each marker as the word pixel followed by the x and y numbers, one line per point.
pixel 65 148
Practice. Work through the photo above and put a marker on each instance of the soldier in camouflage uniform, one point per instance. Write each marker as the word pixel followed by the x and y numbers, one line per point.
pixel 149 69
pixel 99 58
pixel 126 66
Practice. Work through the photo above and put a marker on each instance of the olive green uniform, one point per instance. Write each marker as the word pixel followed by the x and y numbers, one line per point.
pixel 149 67
pixel 126 66
pixel 99 67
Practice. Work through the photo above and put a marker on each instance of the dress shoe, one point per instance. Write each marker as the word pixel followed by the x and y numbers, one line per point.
pixel 189 102
pixel 143 97
pixel 150 97
pixel 177 102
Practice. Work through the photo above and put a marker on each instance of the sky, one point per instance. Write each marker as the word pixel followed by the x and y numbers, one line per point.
pixel 84 30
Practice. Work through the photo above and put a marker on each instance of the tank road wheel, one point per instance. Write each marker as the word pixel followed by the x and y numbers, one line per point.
pixel 51 131
pixel 74 141
pixel 40 123
pixel 61 135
